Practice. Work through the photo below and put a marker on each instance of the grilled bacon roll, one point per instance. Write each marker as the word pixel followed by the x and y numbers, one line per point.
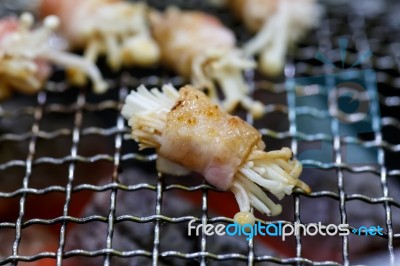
pixel 114 28
pixel 198 47
pixel 27 52
pixel 277 24
pixel 190 132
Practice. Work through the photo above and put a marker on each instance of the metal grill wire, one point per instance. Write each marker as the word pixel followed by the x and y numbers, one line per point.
pixel 361 30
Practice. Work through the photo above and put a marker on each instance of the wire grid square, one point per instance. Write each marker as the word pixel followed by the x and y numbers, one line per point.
pixel 119 152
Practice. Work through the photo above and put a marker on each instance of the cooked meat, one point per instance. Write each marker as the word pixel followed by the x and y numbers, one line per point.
pixel 18 73
pixel 197 46
pixel 209 140
pixel 26 54
pixel 184 35
pixel 114 28
pixel 187 129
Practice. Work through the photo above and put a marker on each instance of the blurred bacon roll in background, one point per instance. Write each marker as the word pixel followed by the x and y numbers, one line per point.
pixel 117 29
pixel 27 52
pixel 200 48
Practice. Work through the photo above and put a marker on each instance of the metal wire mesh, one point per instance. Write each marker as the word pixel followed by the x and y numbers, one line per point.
pixel 365 31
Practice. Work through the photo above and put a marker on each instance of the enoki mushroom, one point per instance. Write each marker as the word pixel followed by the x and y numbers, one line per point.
pixel 148 113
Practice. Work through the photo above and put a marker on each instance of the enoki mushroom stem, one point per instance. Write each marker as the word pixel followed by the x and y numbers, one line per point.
pixel 271 47
pixel 146 112
pixel 225 68
pixel 285 26
pixel 120 31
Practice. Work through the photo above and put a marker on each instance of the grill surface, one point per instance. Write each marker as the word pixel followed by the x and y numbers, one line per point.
pixel 364 28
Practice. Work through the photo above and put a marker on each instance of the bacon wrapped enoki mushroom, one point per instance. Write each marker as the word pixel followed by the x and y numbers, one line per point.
pixel 277 24
pixel 26 54
pixel 190 131
pixel 198 47
pixel 114 28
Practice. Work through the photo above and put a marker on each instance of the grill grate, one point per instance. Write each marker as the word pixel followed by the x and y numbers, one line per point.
pixel 364 30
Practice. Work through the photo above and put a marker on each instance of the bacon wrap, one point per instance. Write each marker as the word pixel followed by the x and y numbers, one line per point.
pixel 183 35
pixel 73 15
pixel 201 137
pixel 18 79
